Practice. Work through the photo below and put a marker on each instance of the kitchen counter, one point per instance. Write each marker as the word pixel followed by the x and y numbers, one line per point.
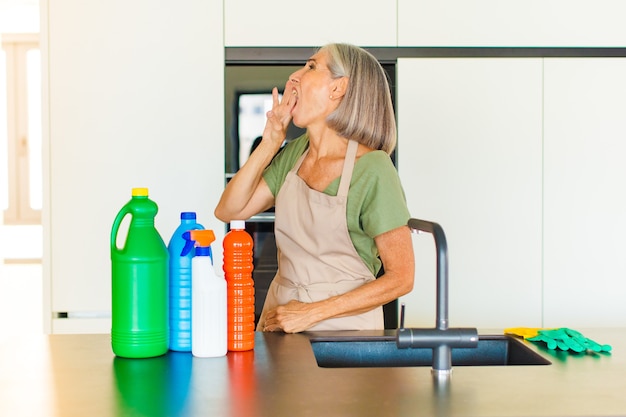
pixel 78 375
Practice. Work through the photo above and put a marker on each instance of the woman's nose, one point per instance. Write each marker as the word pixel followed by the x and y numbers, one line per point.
pixel 295 77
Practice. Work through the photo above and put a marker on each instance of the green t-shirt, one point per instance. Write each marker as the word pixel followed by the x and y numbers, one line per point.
pixel 376 201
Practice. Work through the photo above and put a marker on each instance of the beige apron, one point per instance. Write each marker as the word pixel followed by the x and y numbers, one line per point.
pixel 316 257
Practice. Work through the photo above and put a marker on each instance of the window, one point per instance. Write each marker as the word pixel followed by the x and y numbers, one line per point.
pixel 20 133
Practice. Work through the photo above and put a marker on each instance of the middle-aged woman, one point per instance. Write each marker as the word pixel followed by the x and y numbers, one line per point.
pixel 340 207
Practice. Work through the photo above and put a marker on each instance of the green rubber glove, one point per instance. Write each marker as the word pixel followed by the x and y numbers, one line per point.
pixel 568 339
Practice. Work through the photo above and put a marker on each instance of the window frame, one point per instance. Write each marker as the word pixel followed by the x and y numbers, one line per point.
pixel 19 210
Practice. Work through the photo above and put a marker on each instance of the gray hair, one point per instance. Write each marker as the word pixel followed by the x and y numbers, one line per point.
pixel 365 113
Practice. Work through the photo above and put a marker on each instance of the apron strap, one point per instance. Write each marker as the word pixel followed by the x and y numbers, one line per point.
pixel 348 167
pixel 296 167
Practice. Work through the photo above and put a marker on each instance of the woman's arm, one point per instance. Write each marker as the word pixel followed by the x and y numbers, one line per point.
pixel 247 194
pixel 396 252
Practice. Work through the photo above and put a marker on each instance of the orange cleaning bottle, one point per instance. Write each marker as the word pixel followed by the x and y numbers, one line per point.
pixel 238 268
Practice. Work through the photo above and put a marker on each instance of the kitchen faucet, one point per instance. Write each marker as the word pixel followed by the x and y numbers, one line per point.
pixel 441 339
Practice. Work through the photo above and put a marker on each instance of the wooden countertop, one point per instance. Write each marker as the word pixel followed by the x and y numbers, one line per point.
pixel 78 375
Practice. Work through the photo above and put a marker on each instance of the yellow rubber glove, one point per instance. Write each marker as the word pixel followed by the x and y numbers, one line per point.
pixel 525 332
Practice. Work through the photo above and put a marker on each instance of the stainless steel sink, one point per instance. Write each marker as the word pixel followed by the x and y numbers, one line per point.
pixel 381 351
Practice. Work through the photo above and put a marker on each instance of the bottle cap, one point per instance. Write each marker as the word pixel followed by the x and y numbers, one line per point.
pixel 238 224
pixel 199 239
pixel 140 192
pixel 202 238
pixel 188 215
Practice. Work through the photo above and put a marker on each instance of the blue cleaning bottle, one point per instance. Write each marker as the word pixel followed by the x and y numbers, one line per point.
pixel 180 284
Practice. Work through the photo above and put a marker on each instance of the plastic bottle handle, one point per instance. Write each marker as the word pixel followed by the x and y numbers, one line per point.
pixel 116 224
pixel 189 244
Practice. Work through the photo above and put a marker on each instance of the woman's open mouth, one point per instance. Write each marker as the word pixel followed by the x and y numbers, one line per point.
pixel 295 99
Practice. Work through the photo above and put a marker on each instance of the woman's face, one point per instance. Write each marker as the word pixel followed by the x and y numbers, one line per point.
pixel 313 86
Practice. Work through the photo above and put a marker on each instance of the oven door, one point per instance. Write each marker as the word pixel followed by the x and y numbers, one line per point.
pixel 261 228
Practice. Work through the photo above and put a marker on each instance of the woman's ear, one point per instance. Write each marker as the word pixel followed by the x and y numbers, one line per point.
pixel 340 85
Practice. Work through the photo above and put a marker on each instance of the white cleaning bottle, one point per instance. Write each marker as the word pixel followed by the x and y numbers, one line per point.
pixel 208 299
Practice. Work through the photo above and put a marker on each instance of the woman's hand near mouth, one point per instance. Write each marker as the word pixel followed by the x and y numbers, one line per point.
pixel 279 116
pixel 247 193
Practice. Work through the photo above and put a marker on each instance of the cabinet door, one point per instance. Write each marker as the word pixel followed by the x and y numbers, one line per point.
pixel 138 106
pixel 310 24
pixel 469 156
pixel 567 23
pixel 585 192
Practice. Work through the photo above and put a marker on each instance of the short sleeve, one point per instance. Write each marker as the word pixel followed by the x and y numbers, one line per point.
pixel 276 172
pixel 377 193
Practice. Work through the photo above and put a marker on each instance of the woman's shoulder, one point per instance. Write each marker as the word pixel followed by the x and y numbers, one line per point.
pixel 375 160
pixel 375 170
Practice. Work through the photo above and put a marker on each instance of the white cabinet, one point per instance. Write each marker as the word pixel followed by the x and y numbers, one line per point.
pixel 554 23
pixel 310 24
pixel 522 163
pixel 585 192
pixel 469 156
pixel 134 98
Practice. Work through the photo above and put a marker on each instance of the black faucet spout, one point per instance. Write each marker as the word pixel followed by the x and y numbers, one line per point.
pixel 441 246
pixel 441 339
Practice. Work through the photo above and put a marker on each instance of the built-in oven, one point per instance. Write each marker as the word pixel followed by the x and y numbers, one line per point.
pixel 249 80
pixel 261 227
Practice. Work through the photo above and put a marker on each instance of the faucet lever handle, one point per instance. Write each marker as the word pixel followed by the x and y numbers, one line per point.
pixel 402 308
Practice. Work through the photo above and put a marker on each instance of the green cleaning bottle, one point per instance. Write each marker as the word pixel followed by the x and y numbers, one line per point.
pixel 139 272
